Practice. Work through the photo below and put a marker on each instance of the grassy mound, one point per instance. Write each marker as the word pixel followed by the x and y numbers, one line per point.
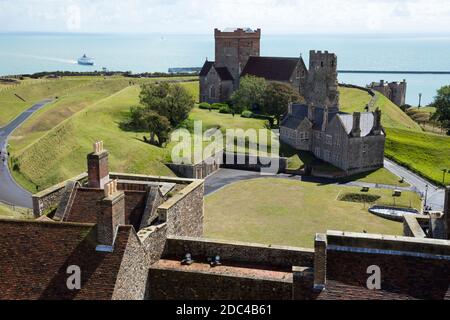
pixel 354 100
pixel 61 152
pixel 33 91
pixel 424 153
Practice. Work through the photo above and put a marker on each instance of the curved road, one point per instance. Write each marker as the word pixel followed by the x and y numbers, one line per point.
pixel 10 191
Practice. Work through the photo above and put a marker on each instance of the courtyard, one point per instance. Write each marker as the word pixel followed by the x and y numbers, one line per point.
pixel 290 212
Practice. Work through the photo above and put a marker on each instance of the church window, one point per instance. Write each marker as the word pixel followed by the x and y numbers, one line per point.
pixel 212 92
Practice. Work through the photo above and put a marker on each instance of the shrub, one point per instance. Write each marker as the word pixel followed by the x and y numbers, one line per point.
pixel 358 197
pixel 246 114
pixel 218 106
pixel 225 109
pixel 204 105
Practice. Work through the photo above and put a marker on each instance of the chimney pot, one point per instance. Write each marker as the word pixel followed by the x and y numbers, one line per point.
pixel 356 129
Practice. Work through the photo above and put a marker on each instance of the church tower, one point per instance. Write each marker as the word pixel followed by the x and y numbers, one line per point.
pixel 322 83
pixel 234 47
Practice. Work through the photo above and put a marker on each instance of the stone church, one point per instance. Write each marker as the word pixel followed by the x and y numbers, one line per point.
pixel 237 54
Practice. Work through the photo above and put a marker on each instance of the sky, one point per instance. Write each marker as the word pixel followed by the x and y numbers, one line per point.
pixel 201 16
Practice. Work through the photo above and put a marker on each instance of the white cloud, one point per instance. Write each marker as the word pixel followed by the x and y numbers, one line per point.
pixel 200 16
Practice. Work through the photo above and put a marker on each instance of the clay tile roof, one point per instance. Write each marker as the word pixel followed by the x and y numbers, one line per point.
pixel 271 68
pixel 206 67
pixel 35 256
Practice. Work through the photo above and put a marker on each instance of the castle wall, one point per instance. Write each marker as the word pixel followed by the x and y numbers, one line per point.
pixel 183 213
pixel 175 284
pixel 132 276
pixel 409 268
pixel 200 249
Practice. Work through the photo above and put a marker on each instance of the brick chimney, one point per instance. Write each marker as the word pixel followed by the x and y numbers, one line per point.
pixel 376 130
pixel 98 171
pixel 320 261
pixel 447 210
pixel 110 216
pixel 356 129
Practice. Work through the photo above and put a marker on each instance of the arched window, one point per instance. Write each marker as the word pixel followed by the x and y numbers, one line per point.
pixel 212 92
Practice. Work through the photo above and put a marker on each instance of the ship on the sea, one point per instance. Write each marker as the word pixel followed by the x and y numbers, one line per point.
pixel 86 61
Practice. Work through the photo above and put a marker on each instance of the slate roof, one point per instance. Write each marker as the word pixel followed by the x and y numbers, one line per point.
pixel 35 256
pixel 300 112
pixel 223 72
pixel 206 67
pixel 271 68
pixel 366 123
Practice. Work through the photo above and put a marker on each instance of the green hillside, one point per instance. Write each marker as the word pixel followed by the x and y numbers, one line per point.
pixel 61 152
pixel 33 91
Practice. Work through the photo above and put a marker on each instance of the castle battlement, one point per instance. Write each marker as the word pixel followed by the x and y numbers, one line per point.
pixel 238 32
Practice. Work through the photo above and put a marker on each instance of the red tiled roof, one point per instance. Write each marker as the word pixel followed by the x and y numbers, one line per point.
pixel 35 256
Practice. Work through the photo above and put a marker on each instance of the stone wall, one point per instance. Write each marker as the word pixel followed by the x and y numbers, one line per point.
pixel 413 226
pixel 184 211
pixel 411 268
pixel 252 163
pixel 48 199
pixel 132 276
pixel 279 256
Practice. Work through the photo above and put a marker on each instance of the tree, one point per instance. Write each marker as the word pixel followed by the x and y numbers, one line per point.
pixel 250 94
pixel 158 126
pixel 442 105
pixel 277 98
pixel 142 119
pixel 169 100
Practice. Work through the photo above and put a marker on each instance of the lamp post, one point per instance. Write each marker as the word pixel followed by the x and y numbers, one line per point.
pixel 420 100
pixel 426 195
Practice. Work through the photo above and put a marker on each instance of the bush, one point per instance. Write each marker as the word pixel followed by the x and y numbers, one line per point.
pixel 218 106
pixel 225 109
pixel 204 105
pixel 246 114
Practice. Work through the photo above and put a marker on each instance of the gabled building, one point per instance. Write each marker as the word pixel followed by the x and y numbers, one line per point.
pixel 351 142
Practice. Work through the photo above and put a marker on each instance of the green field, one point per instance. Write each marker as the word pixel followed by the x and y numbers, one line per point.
pixel 288 212
pixel 14 213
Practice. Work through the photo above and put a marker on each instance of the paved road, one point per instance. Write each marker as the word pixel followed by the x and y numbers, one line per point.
pixel 435 197
pixel 10 191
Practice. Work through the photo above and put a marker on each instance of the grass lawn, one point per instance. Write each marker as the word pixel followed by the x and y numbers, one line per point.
pixel 424 153
pixel 288 212
pixel 381 176
pixel 17 213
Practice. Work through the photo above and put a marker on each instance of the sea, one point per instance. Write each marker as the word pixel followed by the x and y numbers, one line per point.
pixel 24 53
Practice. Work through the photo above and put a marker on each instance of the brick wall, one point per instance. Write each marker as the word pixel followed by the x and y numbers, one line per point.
pixel 174 284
